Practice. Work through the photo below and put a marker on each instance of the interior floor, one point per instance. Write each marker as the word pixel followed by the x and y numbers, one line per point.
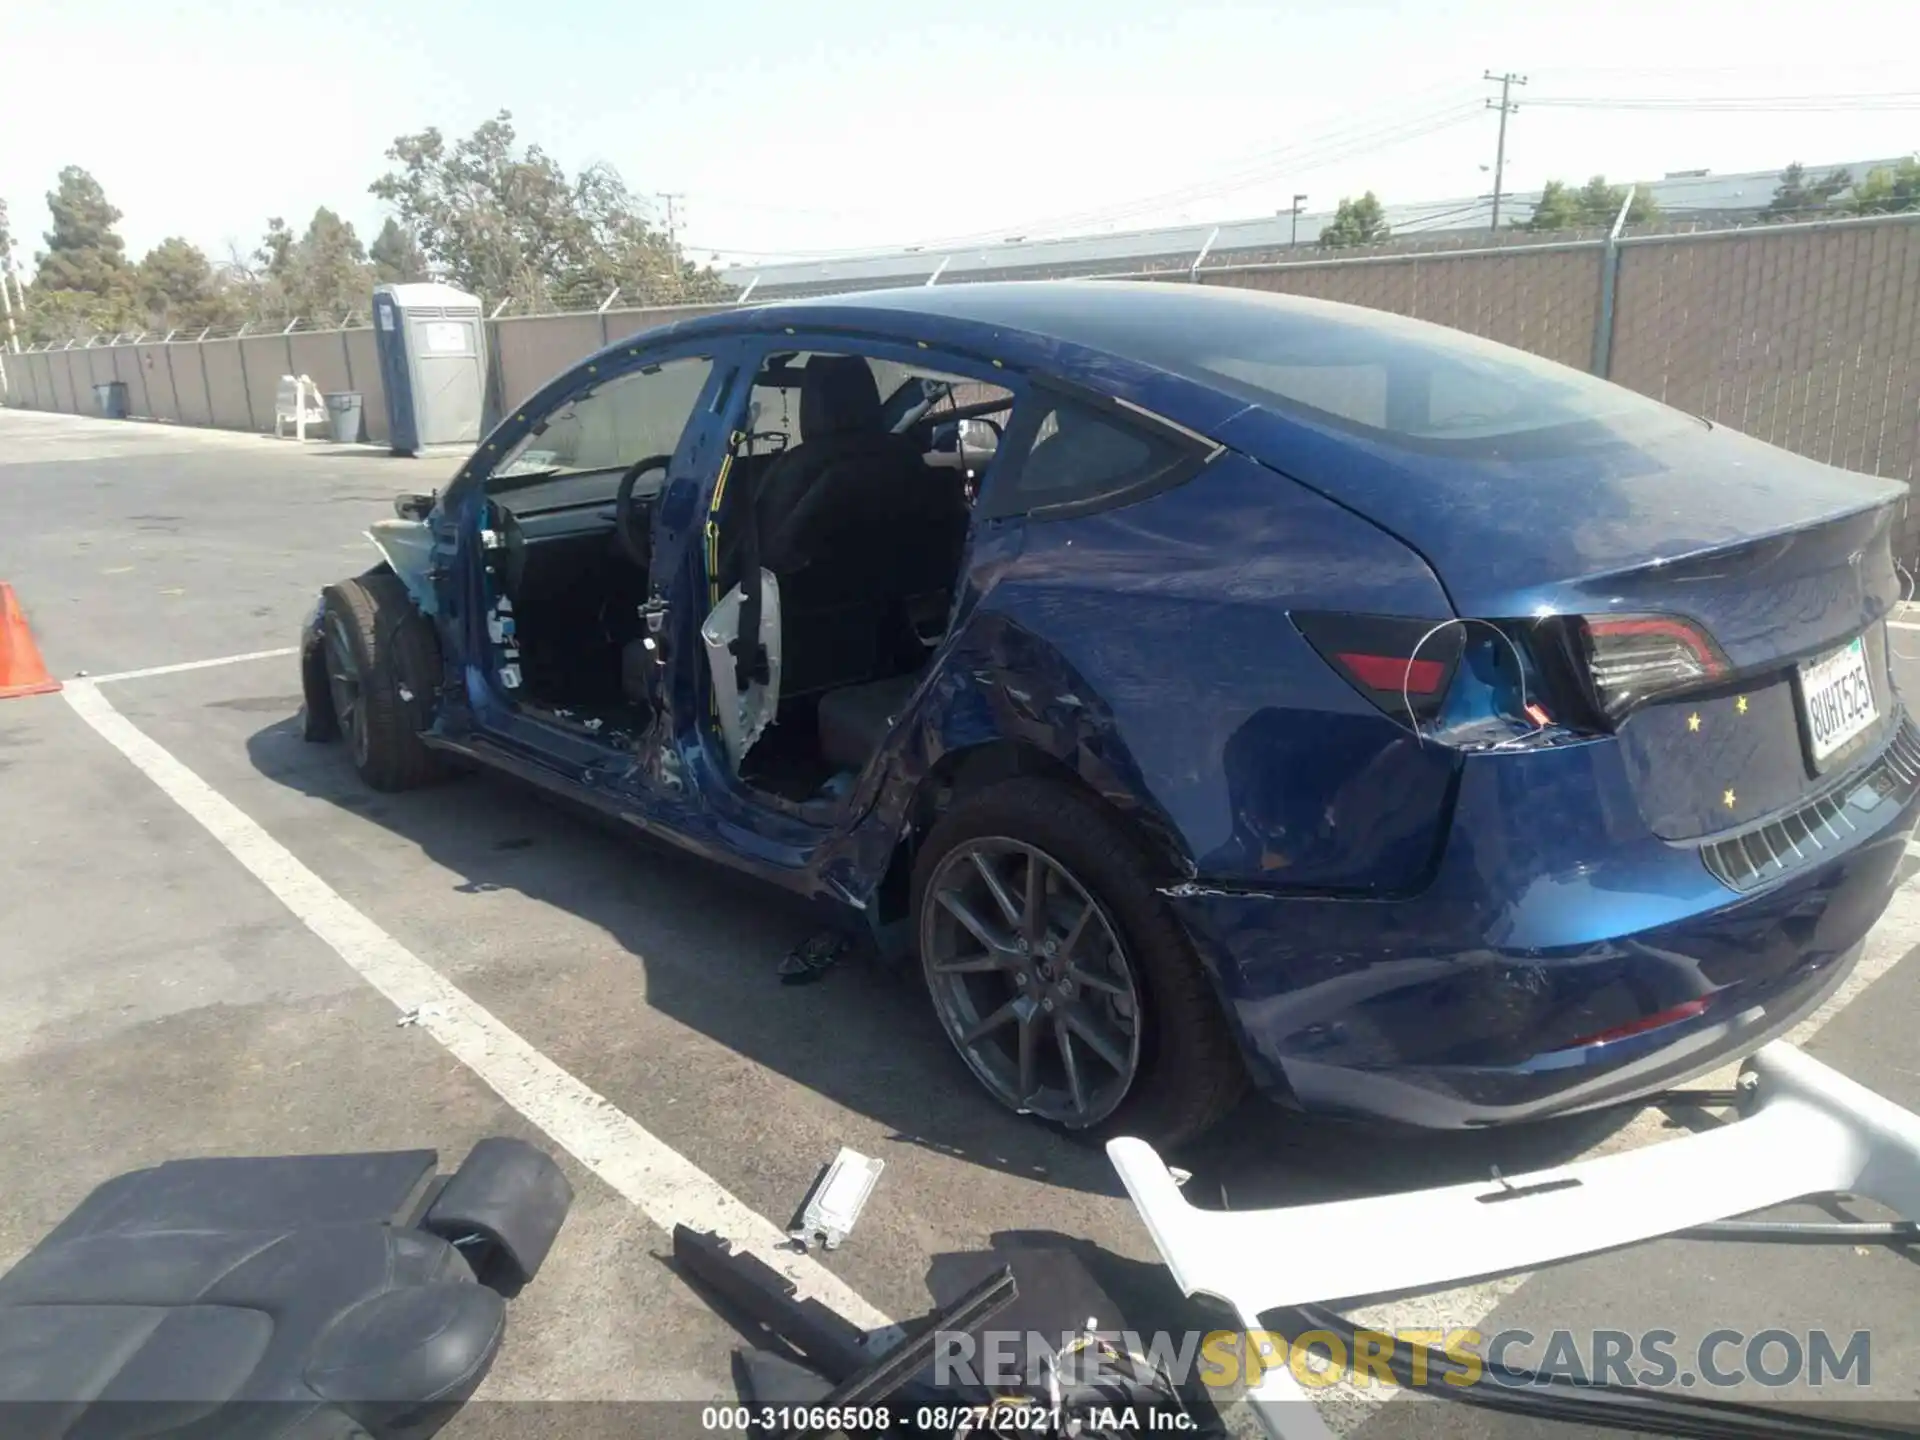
pixel 786 761
pixel 820 743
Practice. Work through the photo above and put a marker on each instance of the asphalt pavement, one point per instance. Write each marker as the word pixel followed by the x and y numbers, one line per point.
pixel 181 868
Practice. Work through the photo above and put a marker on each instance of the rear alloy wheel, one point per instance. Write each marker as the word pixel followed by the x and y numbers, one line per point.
pixel 1031 982
pixel 1059 974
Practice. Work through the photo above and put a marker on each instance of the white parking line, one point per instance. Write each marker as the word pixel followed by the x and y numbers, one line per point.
pixel 669 1189
pixel 185 665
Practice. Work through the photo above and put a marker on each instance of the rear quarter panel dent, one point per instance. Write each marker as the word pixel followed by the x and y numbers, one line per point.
pixel 1148 649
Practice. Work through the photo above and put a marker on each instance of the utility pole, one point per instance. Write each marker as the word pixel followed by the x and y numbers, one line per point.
pixel 1506 106
pixel 673 227
pixel 6 269
pixel 1298 201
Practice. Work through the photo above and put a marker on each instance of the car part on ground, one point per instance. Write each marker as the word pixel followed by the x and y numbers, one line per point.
pixel 1058 973
pixel 335 1296
pixel 838 1195
pixel 1806 1130
pixel 1074 1373
pixel 814 956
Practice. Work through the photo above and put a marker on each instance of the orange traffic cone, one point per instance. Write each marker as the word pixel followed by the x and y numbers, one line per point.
pixel 22 672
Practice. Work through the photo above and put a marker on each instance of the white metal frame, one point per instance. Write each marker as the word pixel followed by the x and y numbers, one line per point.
pixel 1807 1130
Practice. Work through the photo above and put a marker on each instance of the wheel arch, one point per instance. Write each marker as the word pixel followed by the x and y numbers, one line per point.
pixel 959 773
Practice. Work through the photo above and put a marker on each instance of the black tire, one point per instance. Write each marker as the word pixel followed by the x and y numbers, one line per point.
pixel 394 657
pixel 1189 1072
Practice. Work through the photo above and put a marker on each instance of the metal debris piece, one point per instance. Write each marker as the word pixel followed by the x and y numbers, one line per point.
pixel 837 1199
pixel 813 957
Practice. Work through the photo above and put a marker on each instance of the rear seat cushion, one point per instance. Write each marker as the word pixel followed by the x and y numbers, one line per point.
pixel 854 721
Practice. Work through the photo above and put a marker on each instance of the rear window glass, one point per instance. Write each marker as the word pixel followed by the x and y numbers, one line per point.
pixel 1421 390
pixel 1394 379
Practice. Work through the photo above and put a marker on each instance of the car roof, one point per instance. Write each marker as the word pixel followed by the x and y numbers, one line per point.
pixel 1138 320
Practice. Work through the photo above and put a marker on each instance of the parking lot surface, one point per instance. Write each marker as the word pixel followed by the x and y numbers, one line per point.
pixel 210 931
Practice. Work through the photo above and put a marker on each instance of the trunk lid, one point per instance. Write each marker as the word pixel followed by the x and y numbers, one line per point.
pixel 1785 563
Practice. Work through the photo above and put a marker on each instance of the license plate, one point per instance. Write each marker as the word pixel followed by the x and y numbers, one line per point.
pixel 1836 697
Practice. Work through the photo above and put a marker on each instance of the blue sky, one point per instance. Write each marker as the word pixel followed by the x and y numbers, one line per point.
pixel 795 129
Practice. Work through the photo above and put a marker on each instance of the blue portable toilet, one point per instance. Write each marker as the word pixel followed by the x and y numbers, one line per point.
pixel 433 364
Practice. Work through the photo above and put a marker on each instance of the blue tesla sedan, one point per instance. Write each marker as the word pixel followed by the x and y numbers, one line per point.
pixel 1201 686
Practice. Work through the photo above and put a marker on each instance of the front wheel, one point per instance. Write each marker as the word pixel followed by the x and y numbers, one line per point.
pixel 382 663
pixel 1059 974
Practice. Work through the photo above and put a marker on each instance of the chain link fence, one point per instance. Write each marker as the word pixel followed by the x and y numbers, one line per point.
pixel 1542 298
pixel 1806 335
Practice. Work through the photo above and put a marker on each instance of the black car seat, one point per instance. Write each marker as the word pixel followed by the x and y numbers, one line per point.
pixel 853 522
pixel 840 419
pixel 314 1297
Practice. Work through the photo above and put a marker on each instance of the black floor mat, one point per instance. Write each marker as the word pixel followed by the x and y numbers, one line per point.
pixel 785 761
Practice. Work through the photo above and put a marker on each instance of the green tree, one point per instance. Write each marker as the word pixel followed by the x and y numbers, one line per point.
pixel 330 271
pixel 1888 191
pixel 276 251
pixel 1595 205
pixel 179 290
pixel 396 257
pixel 85 260
pixel 318 276
pixel 1558 208
pixel 1357 222
pixel 506 222
pixel 1796 195
pixel 1601 203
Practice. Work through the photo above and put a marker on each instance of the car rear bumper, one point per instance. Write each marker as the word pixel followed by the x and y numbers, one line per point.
pixel 1516 986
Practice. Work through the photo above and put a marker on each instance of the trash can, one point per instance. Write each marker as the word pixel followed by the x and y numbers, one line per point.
pixel 111 397
pixel 343 415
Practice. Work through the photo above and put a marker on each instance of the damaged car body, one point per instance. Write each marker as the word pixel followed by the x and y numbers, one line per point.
pixel 1204 685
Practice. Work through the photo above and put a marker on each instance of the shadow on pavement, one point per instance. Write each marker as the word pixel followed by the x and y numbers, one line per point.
pixel 864 1036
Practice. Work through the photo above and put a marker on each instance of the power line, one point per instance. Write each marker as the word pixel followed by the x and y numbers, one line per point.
pixel 1506 107
pixel 1343 143
pixel 1757 104
pixel 1335 146
pixel 1439 217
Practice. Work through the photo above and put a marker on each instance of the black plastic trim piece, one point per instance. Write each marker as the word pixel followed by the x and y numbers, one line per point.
pixel 1764 852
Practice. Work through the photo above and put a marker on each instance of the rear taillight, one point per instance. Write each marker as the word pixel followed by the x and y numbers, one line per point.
pixel 1633 658
pixel 1400 665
